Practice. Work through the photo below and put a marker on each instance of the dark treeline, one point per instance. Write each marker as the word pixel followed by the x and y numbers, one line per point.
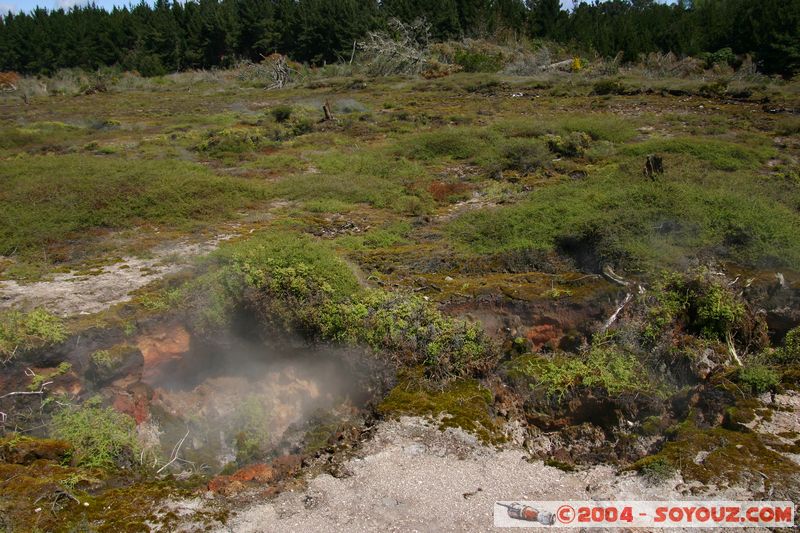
pixel 171 36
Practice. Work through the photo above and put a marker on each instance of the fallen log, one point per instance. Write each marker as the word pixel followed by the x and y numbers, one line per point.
pixel 611 276
pixel 561 65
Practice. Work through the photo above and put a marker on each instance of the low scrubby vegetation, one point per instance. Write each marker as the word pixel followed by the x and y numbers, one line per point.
pixel 100 436
pixel 296 284
pixel 423 207
pixel 21 331
pixel 604 366
pixel 49 199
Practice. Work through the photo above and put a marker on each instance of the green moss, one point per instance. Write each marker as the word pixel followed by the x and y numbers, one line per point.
pixel 733 458
pixel 652 425
pixel 465 404
pixel 656 469
pixel 737 417
pixel 23 450
pixel 39 379
pixel 565 467
pixel 106 503
pixel 111 358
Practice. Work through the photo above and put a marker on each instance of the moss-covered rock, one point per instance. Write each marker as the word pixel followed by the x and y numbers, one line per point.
pixel 464 404
pixel 21 450
pixel 739 416
pixel 723 457
pixel 107 365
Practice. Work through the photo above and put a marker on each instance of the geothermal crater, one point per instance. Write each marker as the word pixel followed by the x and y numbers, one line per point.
pixel 234 399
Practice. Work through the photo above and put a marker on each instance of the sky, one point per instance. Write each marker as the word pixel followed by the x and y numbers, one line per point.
pixel 27 5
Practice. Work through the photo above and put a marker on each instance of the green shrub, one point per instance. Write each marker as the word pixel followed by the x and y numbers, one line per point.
pixel 716 89
pixel 574 145
pixel 721 155
pixel 49 132
pixel 149 65
pixel 604 366
pixel 101 436
pixel 732 217
pixel 293 276
pixel 656 470
pixel 23 331
pixel 299 284
pixel 789 125
pixel 475 61
pixel 231 141
pixel 723 56
pixel 758 378
pixel 281 113
pixel 456 143
pixel 608 86
pixel 523 155
pixel 599 126
pixel 39 379
pixel 414 332
pixel 302 126
pixel 718 312
pixel 252 423
pixel 375 178
pixel 790 352
pixel 390 235
pixel 701 305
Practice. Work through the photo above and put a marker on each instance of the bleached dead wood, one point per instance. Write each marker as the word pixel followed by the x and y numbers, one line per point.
pixel 560 65
pixel 611 276
pixel 403 49
pixel 613 317
pixel 175 451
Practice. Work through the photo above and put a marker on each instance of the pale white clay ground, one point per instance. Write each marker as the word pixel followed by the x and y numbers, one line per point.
pixel 413 477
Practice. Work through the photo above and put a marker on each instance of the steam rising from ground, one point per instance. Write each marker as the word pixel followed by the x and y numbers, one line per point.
pixel 242 400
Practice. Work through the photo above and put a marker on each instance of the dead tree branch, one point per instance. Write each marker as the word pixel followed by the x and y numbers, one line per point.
pixel 174 455
pixel 28 393
pixel 403 49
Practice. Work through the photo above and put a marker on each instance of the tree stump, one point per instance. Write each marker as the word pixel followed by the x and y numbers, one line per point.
pixel 326 109
pixel 653 166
